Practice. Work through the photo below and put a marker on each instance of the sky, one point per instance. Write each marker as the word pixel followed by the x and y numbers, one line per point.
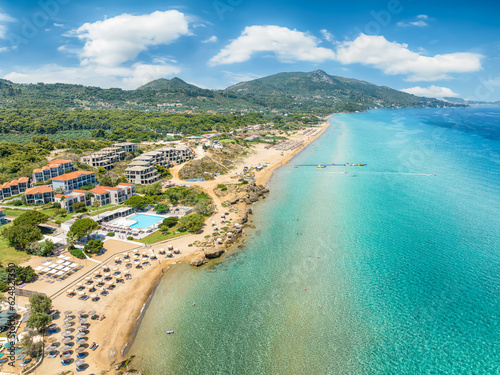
pixel 427 48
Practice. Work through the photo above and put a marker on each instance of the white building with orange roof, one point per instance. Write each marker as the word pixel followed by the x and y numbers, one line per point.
pixel 39 195
pixel 3 219
pixel 73 180
pixel 55 168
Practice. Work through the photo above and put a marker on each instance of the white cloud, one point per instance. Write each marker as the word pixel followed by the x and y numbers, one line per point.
pixel 212 39
pixel 288 45
pixel 58 24
pixel 95 75
pixel 395 58
pixel 4 17
pixel 327 35
pixel 121 38
pixel 420 21
pixel 431 91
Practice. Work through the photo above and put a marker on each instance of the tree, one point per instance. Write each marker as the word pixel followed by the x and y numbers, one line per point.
pixel 31 218
pixel 204 207
pixel 168 223
pixel 79 207
pixel 192 223
pixel 161 208
pixel 93 246
pixel 137 202
pixel 105 180
pixel 40 303
pixel 39 320
pixel 82 228
pixel 42 248
pixel 22 235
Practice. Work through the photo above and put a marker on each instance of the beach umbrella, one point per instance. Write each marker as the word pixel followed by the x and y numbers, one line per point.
pixel 117 258
pixel 67 325
pixel 92 312
pixel 80 349
pixel 136 255
pixel 93 295
pixel 68 312
pixel 80 362
pixel 66 340
pixel 66 348
pixel 68 319
pixel 22 356
pixel 110 282
pixel 80 335
pixel 97 272
pixel 65 357
pixel 83 320
pixel 81 312
pixel 88 278
pixel 69 291
pixel 81 293
pixel 106 274
pixel 80 341
pixel 51 340
pixel 79 284
pixel 66 333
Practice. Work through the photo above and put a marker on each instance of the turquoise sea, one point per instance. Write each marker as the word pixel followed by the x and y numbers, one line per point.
pixel 393 271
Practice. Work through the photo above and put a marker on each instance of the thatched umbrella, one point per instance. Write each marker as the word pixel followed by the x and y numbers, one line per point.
pixel 81 312
pixel 80 341
pixel 80 362
pixel 92 312
pixel 69 312
pixel 66 333
pixel 68 319
pixel 81 349
pixel 80 335
pixel 65 357
pixel 83 320
pixel 66 340
pixel 51 339
pixel 66 348
pixel 69 291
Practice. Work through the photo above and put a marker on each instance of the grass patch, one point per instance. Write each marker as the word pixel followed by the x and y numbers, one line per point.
pixel 15 213
pixel 157 237
pixel 7 253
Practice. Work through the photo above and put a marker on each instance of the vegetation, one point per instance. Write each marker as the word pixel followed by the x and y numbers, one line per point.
pixel 93 247
pixel 168 223
pixel 32 218
pixel 23 275
pixel 40 303
pixel 22 235
pixel 161 208
pixel 76 253
pixel 79 207
pixel 82 228
pixel 138 202
pixel 192 223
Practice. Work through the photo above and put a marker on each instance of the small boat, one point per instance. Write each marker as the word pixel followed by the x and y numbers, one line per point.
pixel 320 166
pixel 361 165
pixel 169 332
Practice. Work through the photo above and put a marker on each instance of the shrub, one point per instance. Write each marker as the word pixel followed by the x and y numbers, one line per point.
pixel 110 234
pixel 130 238
pixel 79 207
pixel 77 253
pixel 93 247
pixel 18 202
pixel 244 182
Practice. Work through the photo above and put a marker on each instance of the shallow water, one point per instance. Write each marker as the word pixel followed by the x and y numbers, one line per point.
pixel 393 271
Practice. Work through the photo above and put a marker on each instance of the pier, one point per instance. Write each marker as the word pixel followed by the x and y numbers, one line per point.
pixel 331 165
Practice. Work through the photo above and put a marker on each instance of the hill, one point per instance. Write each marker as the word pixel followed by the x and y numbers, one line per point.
pixel 314 92
pixel 163 83
pixel 318 89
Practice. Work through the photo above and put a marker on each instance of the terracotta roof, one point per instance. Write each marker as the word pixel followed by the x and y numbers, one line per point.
pixel 23 179
pixel 37 170
pixel 79 191
pixel 45 168
pixel 13 182
pixel 54 165
pixel 109 188
pixel 99 190
pixel 6 185
pixel 38 189
pixel 61 161
pixel 125 184
pixel 71 175
pixel 1 209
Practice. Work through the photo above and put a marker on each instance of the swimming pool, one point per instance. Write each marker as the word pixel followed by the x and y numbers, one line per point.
pixel 144 221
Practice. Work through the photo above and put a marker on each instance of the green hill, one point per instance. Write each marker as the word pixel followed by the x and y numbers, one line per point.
pixel 314 92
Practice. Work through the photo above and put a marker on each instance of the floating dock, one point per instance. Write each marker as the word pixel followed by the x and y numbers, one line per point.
pixel 330 165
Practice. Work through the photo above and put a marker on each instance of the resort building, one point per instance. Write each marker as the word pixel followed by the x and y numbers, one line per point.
pixel 73 180
pixel 104 194
pixel 128 146
pixel 104 158
pixel 55 168
pixel 39 195
pixel 3 219
pixel 142 170
pixel 14 187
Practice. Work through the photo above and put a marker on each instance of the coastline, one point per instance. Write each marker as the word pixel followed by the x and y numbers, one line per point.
pixel 127 308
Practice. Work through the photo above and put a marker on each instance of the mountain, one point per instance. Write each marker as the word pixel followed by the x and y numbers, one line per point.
pixel 318 88
pixel 469 102
pixel 163 83
pixel 314 92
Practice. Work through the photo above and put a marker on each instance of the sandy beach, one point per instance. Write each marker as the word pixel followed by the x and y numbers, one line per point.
pixel 122 306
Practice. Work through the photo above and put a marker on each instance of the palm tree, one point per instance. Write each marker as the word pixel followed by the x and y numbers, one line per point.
pixel 97 204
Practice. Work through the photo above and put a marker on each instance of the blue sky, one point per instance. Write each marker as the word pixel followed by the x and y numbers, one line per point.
pixel 438 48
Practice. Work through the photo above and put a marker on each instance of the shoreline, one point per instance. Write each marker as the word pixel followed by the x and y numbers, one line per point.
pixel 128 308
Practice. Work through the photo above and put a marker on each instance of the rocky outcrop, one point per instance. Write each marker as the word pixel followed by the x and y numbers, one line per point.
pixel 248 193
pixel 199 261
pixel 214 253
